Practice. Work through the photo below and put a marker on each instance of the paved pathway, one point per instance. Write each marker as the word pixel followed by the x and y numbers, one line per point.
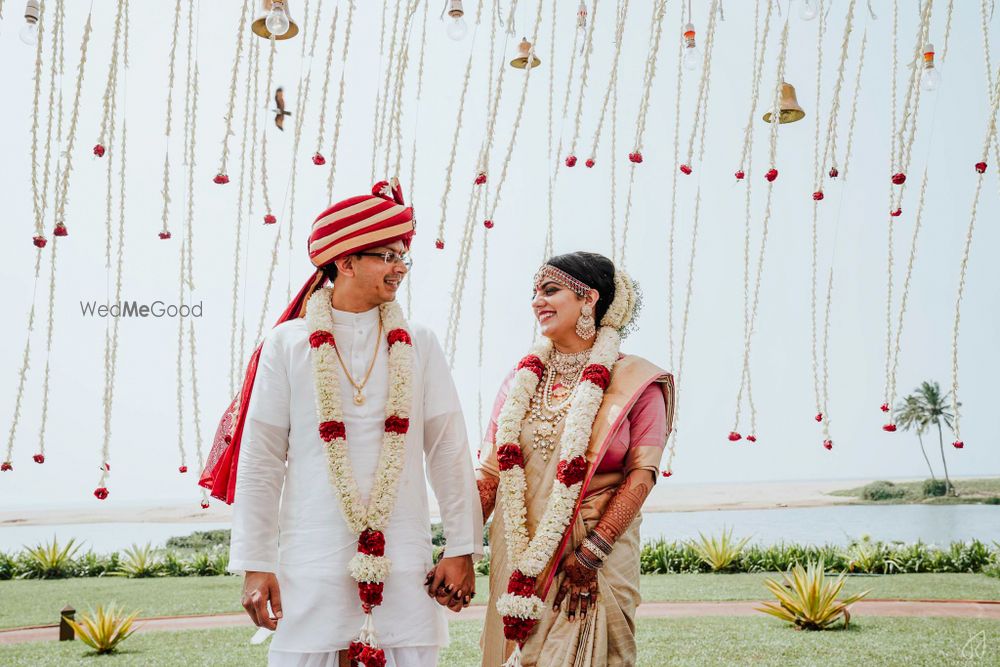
pixel 881 607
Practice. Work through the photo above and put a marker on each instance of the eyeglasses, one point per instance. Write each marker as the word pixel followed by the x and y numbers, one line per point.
pixel 390 257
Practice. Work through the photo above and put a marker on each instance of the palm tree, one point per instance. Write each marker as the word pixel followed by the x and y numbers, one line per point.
pixel 909 413
pixel 936 408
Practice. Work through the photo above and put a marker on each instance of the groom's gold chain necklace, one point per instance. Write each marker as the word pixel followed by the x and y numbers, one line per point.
pixel 359 397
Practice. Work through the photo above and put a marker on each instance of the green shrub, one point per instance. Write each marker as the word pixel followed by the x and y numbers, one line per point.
pixel 8 566
pixel 934 487
pixel 48 560
pixel 483 566
pixel 174 565
pixel 200 540
pixel 140 562
pixel 870 557
pixel 882 490
pixel 96 565
pixel 992 500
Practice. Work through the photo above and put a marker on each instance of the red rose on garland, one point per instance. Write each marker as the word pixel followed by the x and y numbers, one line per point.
pixel 317 338
pixel 521 584
pixel 372 542
pixel 598 375
pixel 370 593
pixel 509 456
pixel 399 336
pixel 572 471
pixel 533 364
pixel 332 430
pixel 518 629
pixel 398 425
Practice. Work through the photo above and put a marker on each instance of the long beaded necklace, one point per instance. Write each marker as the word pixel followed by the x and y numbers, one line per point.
pixel 547 416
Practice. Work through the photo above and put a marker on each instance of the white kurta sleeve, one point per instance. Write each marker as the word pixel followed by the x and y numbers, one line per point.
pixel 261 470
pixel 449 460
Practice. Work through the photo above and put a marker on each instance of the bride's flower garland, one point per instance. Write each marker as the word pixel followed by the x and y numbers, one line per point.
pixel 369 567
pixel 520 608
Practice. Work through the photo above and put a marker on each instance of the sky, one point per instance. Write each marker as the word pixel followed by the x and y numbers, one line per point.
pixel 852 231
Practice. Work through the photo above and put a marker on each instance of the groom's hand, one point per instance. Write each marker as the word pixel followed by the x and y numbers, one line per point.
pixel 452 582
pixel 259 588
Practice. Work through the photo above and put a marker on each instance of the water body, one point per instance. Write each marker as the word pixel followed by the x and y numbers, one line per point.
pixel 838 524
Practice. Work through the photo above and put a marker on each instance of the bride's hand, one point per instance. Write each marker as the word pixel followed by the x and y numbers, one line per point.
pixel 579 582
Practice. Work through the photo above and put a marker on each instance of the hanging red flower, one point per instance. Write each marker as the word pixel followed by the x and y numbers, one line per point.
pixel 740 174
pixel 834 173
pixel 38 458
pixel 509 456
pixel 752 438
pixel 897 212
pixel 590 163
pixel 100 493
pixel 488 224
pixel 899 179
pixel 480 178
pixel 571 161
pixel 39 241
pixel 734 436
pixel 884 407
pixel 164 235
pixel 818 195
pixel 666 473
pixel 320 337
pixel 397 425
pixel 685 169
pixel 5 466
pixel 332 430
pixel 958 444
pixel 889 428
pixel 204 504
pixel 60 230
pixel 221 179
pixel 99 150
pixel 635 157
pixel 819 416
pixel 771 175
pixel 319 160
pixel 980 167
pixel 182 469
pixel 269 219
pixel 439 244
pixel 572 471
pixel 828 444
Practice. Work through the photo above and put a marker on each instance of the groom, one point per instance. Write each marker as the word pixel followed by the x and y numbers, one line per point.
pixel 344 406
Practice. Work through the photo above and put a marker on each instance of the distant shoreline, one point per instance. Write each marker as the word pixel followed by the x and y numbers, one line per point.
pixel 666 497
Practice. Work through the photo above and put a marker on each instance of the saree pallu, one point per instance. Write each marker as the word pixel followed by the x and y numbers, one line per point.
pixel 606 637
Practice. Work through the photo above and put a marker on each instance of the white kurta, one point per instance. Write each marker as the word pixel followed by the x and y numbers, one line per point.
pixel 304 538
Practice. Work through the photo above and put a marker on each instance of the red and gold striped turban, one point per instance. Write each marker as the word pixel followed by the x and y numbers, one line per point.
pixel 348 227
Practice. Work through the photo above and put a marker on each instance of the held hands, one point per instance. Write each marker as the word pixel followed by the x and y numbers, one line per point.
pixel 452 582
pixel 259 588
pixel 579 583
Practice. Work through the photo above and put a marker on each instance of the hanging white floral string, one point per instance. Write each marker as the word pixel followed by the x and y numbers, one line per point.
pixel 588 49
pixel 394 130
pixel 339 115
pixel 985 18
pixel 635 157
pixel 687 167
pixel 760 50
pixel 36 196
pixel 382 98
pixel 222 176
pixel 107 117
pixel 947 29
pixel 235 350
pixel 63 194
pixel 673 204
pixel 269 218
pixel 251 178
pixel 182 468
pixel 165 217
pixel 318 158
pixel 449 170
pixel 612 84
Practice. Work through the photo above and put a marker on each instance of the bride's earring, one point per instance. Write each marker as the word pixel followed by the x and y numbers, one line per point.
pixel 585 325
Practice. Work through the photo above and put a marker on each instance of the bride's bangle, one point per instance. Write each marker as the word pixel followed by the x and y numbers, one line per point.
pixel 596 540
pixel 586 560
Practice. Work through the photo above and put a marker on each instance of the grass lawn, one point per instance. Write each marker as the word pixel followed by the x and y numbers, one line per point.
pixel 969 491
pixel 37 602
pixel 696 642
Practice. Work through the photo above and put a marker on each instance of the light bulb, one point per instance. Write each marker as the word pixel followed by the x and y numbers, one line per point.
pixel 930 79
pixel 29 34
pixel 691 59
pixel 457 29
pixel 808 10
pixel 277 22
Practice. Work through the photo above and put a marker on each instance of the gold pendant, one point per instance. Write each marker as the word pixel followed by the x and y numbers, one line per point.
pixel 359 398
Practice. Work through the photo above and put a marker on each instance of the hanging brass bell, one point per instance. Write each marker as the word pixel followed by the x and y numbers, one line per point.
pixel 524 50
pixel 277 12
pixel 790 111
